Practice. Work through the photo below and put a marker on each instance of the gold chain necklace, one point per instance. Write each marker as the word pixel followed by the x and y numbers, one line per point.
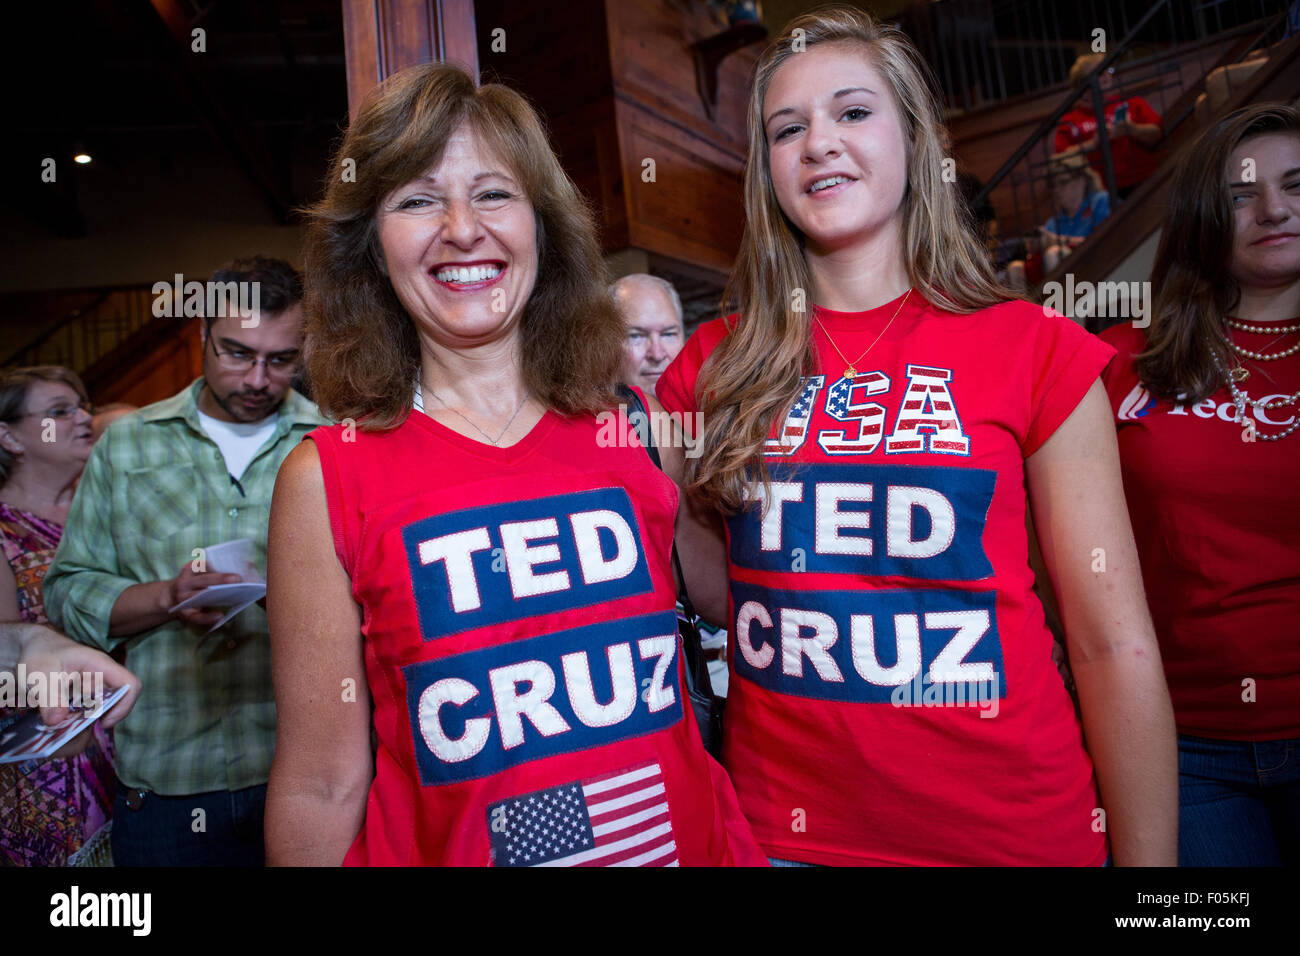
pixel 851 371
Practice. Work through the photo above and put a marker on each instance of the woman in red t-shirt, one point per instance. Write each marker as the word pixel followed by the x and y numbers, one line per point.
pixel 1207 401
pixel 480 548
pixel 892 695
pixel 1132 126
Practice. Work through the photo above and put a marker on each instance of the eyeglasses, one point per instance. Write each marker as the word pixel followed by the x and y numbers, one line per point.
pixel 239 360
pixel 60 412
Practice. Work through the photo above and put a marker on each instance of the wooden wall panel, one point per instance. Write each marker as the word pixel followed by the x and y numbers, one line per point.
pixel 693 210
pixel 562 65
pixel 651 62
pixel 587 142
pixel 560 62
pixel 615 81
pixel 161 373
pixel 383 36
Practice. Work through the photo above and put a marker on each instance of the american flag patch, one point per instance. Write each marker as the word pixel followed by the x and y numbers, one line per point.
pixel 618 819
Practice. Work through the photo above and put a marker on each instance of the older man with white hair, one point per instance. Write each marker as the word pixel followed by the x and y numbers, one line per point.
pixel 652 312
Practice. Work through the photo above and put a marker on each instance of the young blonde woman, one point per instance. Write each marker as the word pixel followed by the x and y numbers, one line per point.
pixel 893 698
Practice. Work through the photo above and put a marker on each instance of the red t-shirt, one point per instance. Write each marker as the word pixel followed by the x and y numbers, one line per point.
pixel 521 651
pixel 892 694
pixel 1133 162
pixel 1217 523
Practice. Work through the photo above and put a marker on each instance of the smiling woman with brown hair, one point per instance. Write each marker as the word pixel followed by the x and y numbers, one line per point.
pixel 1207 401
pixel 363 349
pixel 467 553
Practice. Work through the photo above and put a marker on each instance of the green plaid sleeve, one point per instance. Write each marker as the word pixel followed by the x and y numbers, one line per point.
pixel 83 583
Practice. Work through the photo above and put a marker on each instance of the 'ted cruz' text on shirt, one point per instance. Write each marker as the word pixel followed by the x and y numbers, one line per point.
pixel 476 713
pixel 915 522
pixel 859 518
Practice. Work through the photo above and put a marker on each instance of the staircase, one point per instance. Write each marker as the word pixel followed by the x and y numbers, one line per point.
pixel 109 336
pixel 1165 57
pixel 1108 251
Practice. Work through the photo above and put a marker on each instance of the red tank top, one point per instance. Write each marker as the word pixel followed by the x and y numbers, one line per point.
pixel 521 651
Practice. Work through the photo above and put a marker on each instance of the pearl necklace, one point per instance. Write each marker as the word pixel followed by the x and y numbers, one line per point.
pixel 1263 329
pixel 1259 403
pixel 1241 401
pixel 1238 372
pixel 1260 356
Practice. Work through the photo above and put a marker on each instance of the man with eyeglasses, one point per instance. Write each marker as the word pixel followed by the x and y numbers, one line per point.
pixel 163 484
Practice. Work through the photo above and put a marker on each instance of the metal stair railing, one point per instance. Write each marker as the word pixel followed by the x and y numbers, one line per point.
pixel 88 333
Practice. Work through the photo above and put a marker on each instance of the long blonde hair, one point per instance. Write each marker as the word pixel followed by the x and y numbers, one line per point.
pixel 754 375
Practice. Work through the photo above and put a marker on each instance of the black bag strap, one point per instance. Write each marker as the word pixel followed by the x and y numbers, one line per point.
pixel 693 645
pixel 646 434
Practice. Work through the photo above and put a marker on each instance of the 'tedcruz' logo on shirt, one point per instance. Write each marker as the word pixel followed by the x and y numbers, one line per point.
pixel 1139 403
pixel 504 562
pixel 868 646
pixel 475 714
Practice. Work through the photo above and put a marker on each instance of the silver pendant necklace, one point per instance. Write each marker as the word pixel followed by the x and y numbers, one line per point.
pixel 419 407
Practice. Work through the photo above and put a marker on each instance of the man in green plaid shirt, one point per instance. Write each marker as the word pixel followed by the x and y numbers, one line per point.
pixel 185 474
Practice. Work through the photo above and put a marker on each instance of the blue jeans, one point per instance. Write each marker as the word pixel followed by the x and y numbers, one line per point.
pixel 1239 802
pixel 161 831
pixel 777 861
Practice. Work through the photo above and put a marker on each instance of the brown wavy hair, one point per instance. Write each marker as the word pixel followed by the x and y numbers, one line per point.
pixel 362 349
pixel 1195 289
pixel 754 376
